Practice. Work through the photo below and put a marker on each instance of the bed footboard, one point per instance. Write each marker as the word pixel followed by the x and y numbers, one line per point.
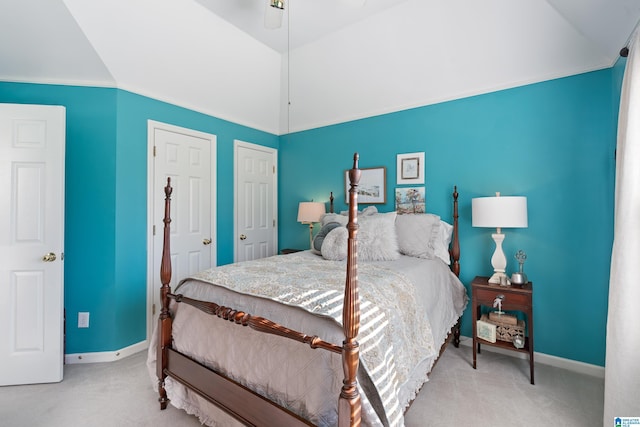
pixel 242 403
pixel 256 323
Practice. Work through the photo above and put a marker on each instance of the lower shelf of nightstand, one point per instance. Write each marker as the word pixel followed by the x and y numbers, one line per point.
pixel 505 345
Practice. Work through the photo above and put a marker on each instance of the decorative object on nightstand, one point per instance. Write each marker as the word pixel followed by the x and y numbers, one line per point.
pixel 486 331
pixel 518 341
pixel 308 213
pixel 516 336
pixel 520 278
pixel 499 212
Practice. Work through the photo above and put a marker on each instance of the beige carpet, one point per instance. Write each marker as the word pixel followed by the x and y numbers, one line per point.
pixel 498 393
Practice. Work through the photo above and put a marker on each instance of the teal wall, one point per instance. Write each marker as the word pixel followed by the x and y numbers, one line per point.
pixel 105 208
pixel 553 142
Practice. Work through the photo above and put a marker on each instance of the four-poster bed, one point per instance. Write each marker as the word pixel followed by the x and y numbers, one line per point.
pixel 200 360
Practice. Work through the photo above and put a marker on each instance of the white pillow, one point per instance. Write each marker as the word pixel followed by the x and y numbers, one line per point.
pixel 334 245
pixel 417 234
pixel 424 236
pixel 343 217
pixel 369 210
pixel 376 236
pixel 442 243
pixel 334 217
pixel 377 240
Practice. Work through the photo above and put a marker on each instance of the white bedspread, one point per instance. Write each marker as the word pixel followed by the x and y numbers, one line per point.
pixel 408 306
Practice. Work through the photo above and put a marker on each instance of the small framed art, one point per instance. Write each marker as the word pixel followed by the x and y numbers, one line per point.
pixel 486 331
pixel 410 200
pixel 372 188
pixel 410 168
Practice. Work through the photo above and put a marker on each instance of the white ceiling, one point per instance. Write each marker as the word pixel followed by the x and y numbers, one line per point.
pixel 339 60
pixel 303 21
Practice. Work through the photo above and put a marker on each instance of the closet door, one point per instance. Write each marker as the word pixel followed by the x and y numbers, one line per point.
pixel 32 145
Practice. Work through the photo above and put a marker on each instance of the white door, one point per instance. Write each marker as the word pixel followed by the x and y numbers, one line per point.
pixel 32 145
pixel 256 200
pixel 188 158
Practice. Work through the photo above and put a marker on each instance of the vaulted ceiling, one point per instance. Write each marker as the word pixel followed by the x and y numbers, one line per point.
pixel 331 61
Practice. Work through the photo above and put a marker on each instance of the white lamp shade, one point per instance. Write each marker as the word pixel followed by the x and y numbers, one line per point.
pixel 499 212
pixel 310 212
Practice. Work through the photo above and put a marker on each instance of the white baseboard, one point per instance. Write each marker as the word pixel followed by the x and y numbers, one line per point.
pixel 105 356
pixel 545 359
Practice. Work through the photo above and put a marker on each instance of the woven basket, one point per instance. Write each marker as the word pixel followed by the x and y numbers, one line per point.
pixel 504 331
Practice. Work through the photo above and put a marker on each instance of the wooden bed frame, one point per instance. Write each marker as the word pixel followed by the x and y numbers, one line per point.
pixel 242 403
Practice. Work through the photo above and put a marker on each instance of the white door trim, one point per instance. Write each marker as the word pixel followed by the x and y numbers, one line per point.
pixel 155 287
pixel 274 154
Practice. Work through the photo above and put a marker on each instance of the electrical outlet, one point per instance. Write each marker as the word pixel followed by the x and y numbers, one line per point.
pixel 83 319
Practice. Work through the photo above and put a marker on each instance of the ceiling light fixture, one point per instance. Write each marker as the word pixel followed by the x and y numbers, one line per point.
pixel 273 14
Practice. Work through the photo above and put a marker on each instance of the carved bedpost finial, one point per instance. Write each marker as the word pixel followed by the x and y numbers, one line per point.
pixel 354 174
pixel 168 189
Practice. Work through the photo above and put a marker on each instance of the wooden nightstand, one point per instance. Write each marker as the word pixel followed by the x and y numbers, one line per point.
pixel 516 298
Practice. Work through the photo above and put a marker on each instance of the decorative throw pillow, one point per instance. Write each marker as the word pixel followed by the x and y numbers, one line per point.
pixel 334 245
pixel 317 241
pixel 418 235
pixel 334 217
pixel 377 239
pixel 369 210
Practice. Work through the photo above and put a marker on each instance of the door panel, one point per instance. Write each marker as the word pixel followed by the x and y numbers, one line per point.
pixel 32 144
pixel 256 197
pixel 187 157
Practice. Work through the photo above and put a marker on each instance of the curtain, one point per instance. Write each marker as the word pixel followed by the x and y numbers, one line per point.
pixel 622 365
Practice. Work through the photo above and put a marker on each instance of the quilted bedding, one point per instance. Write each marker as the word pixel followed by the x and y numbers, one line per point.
pixel 407 308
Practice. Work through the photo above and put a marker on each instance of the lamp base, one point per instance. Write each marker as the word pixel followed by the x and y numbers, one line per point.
pixel 311 235
pixel 500 278
pixel 499 261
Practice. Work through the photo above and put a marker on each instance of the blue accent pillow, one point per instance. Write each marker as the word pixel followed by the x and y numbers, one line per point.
pixel 317 241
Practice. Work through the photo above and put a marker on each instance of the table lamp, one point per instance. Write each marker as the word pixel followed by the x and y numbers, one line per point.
pixel 308 213
pixel 499 212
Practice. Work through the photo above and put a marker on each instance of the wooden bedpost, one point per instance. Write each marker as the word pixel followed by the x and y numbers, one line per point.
pixel 455 241
pixel 164 321
pixel 455 258
pixel 349 412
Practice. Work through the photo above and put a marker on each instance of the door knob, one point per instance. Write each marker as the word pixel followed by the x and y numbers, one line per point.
pixel 206 242
pixel 243 237
pixel 50 257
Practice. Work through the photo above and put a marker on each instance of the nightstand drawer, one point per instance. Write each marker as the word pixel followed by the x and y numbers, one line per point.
pixel 510 298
